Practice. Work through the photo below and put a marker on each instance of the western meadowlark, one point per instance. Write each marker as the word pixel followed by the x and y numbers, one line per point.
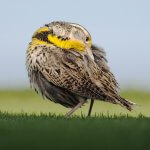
pixel 66 68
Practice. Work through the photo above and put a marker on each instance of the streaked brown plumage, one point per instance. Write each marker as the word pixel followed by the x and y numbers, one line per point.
pixel 70 76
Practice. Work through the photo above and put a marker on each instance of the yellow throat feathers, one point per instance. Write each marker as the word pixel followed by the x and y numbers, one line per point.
pixel 36 42
pixel 66 44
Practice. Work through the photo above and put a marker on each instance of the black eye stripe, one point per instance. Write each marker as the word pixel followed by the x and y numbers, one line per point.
pixel 42 36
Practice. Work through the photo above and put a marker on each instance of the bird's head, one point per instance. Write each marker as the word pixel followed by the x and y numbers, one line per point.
pixel 63 35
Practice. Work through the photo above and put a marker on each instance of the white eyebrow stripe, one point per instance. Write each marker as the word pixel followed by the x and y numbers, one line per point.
pixel 79 26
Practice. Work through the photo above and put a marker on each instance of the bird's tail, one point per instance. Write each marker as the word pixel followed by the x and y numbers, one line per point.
pixel 125 103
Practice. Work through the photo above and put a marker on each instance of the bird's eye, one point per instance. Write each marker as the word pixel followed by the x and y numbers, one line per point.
pixel 87 39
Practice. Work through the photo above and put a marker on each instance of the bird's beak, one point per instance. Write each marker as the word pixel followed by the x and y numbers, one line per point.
pixel 89 52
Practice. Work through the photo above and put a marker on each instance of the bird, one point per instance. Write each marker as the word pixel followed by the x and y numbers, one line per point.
pixel 64 66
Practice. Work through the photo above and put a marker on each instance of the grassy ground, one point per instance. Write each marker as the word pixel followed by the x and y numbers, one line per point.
pixel 110 127
pixel 51 132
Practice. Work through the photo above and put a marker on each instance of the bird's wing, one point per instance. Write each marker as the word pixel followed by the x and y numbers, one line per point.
pixel 67 70
pixel 76 73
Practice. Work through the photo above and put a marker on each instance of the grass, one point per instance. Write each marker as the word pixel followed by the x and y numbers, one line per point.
pixel 24 131
pixel 27 122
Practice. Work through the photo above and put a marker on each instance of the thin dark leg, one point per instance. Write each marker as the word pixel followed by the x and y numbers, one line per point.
pixel 91 105
pixel 74 109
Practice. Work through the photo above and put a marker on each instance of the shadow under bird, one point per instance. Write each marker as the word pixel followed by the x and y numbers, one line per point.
pixel 66 68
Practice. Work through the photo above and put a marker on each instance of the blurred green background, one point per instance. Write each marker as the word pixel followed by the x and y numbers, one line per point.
pixel 27 101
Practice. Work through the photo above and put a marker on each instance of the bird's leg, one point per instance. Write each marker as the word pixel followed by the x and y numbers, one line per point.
pixel 91 105
pixel 74 109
